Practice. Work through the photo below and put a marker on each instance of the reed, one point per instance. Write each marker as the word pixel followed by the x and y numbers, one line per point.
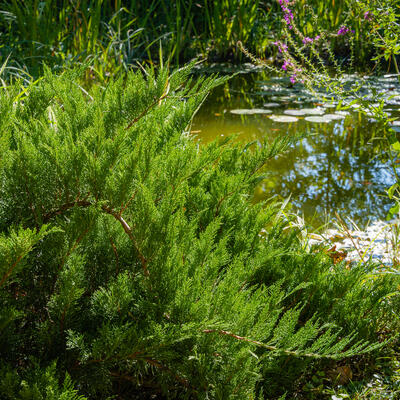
pixel 115 34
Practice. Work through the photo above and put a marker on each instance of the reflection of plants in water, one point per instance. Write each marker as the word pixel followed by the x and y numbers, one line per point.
pixel 327 172
pixel 334 169
pixel 303 60
pixel 241 87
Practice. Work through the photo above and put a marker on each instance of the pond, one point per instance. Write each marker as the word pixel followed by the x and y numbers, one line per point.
pixel 336 168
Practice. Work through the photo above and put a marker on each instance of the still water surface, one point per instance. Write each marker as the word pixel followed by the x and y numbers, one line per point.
pixel 334 169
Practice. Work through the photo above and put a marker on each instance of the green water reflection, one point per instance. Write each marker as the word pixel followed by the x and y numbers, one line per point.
pixel 335 169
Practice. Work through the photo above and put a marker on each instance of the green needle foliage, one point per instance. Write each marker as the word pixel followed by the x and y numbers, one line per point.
pixel 133 262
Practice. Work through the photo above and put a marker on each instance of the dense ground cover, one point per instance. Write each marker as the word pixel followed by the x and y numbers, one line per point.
pixel 133 262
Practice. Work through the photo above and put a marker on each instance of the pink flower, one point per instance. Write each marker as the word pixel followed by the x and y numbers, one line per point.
pixel 311 40
pixel 343 30
pixel 286 64
pixel 288 15
pixel 307 40
pixel 281 46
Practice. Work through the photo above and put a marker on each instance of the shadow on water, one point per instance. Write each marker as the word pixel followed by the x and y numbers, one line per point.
pixel 334 169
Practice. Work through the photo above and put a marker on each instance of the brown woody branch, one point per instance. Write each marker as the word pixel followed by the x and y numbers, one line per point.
pixel 141 115
pixel 266 346
pixel 156 101
pixel 107 210
pixel 11 269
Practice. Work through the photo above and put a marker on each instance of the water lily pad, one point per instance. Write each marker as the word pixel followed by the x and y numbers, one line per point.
pixel 334 116
pixel 284 99
pixel 283 118
pixel 318 119
pixel 294 112
pixel 390 76
pixel 272 105
pixel 314 111
pixel 342 113
pixel 393 102
pixel 288 98
pixel 251 111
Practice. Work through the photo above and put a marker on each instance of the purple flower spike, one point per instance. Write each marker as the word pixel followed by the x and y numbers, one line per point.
pixel 307 40
pixel 285 65
pixel 281 47
pixel 288 15
pixel 293 79
pixel 343 30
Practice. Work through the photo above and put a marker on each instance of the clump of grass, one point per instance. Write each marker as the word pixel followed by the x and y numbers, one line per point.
pixel 115 35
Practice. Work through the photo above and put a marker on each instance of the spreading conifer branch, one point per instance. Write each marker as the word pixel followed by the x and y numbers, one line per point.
pixel 179 297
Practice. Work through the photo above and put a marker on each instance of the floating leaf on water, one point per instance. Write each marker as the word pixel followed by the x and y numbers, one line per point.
pixel 283 118
pixel 279 98
pixel 330 105
pixel 342 113
pixel 251 111
pixel 272 105
pixel 314 111
pixel 272 92
pixel 334 116
pixel 288 98
pixel 280 79
pixel 395 123
pixel 294 112
pixel 393 102
pixel 318 119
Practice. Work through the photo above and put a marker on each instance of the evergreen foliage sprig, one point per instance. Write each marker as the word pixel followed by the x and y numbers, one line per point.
pixel 132 258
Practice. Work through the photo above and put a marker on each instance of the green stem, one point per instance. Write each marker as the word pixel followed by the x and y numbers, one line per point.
pixel 396 67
